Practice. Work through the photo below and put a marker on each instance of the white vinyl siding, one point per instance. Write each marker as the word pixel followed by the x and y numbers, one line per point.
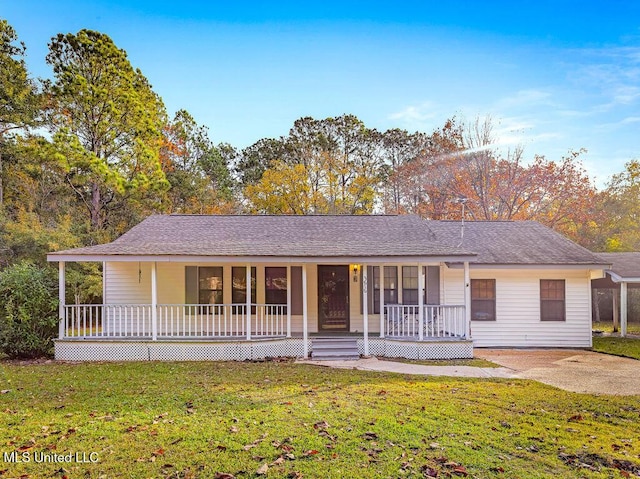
pixel 518 322
pixel 127 283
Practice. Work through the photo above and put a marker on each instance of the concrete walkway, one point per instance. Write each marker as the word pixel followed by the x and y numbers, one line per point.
pixel 374 364
pixel 572 370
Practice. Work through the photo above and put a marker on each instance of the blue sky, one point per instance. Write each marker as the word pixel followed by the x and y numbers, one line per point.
pixel 554 76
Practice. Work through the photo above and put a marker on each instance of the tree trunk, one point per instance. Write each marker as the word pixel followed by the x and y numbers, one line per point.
pixel 596 305
pixel 96 220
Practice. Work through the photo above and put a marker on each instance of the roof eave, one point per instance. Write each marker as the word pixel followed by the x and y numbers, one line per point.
pixel 616 278
pixel 531 265
pixel 71 257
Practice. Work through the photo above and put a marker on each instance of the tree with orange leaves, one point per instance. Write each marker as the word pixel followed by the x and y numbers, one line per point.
pixel 463 163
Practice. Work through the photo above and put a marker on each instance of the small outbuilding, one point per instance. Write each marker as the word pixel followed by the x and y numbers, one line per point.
pixel 622 274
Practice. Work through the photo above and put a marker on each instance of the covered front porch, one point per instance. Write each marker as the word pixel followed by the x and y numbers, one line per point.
pixel 286 306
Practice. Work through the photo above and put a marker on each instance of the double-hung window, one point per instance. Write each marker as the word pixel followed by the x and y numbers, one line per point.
pixel 390 286
pixel 210 285
pixel 552 300
pixel 239 286
pixel 275 286
pixel 483 299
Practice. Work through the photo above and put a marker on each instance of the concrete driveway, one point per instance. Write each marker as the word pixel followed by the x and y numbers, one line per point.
pixel 570 369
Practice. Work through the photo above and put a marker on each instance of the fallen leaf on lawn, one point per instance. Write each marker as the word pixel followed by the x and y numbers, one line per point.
pixel 224 475
pixel 382 392
pixel 233 429
pixel 295 475
pixel 277 462
pixel 310 452
pixel 321 425
pixel 221 447
pixel 5 391
pixel 460 470
pixel 575 417
pixel 158 452
pixel 428 471
pixel 262 470
pixel 370 436
pixel 28 445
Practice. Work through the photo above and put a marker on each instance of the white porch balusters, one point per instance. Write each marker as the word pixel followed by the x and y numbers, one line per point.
pixel 248 279
pixel 61 299
pixel 365 309
pixel 154 302
pixel 420 303
pixel 467 301
pixel 305 327
pixel 381 284
pixel 288 301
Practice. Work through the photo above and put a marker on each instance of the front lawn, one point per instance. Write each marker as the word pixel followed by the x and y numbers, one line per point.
pixel 204 420
pixel 629 347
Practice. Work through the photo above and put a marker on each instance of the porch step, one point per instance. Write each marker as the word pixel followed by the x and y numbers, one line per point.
pixel 334 349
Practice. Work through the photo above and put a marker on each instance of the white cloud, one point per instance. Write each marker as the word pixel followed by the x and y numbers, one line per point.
pixel 525 98
pixel 416 116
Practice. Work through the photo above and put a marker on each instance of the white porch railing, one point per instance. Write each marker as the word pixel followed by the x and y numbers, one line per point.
pixel 440 321
pixel 173 320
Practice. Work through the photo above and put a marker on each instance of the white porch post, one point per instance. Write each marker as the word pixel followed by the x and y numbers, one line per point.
pixel 62 285
pixel 154 302
pixel 420 302
pixel 365 310
pixel 305 326
pixel 381 300
pixel 248 276
pixel 467 301
pixel 623 309
pixel 288 301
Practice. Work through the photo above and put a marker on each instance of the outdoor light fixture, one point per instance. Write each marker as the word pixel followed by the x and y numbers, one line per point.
pixel 355 273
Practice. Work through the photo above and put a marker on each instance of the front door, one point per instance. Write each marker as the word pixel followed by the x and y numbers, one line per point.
pixel 333 298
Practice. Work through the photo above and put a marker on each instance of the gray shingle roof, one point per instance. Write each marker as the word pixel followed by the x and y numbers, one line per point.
pixel 281 235
pixel 625 265
pixel 496 242
pixel 514 242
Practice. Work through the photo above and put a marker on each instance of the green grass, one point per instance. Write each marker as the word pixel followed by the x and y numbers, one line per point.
pixel 607 327
pixel 628 347
pixel 194 420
